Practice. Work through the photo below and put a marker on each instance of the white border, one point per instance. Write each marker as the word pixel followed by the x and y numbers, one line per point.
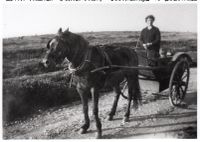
pixel 102 2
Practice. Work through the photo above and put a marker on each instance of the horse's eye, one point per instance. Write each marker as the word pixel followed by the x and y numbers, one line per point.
pixel 53 44
pixel 53 47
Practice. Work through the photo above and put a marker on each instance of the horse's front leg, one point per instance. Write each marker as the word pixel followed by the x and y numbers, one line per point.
pixel 95 98
pixel 84 93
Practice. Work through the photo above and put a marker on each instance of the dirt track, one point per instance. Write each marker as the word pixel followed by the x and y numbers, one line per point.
pixel 155 119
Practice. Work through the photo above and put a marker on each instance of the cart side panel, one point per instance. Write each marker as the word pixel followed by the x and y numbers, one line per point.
pixel 142 58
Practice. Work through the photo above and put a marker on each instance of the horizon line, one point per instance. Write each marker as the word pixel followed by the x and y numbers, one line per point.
pixel 28 35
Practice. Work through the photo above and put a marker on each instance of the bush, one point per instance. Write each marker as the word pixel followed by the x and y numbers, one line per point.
pixel 22 96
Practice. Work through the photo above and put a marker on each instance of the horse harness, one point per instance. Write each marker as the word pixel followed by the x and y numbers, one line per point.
pixel 101 50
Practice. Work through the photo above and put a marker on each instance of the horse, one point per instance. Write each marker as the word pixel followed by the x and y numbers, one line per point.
pixel 85 58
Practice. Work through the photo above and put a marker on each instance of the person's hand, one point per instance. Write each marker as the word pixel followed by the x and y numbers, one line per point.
pixel 149 44
pixel 71 69
pixel 145 46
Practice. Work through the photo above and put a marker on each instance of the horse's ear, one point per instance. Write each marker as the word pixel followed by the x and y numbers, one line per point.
pixel 60 32
pixel 67 30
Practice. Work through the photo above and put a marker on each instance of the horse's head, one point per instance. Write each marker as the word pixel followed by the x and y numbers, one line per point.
pixel 65 45
pixel 57 49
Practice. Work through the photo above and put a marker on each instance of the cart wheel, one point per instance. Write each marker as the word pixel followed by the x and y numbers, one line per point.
pixel 123 86
pixel 179 82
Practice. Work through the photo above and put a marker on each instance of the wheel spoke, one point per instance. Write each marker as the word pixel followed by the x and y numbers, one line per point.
pixel 184 66
pixel 177 99
pixel 173 96
pixel 183 83
pixel 172 90
pixel 176 77
pixel 178 92
pixel 183 90
pixel 175 82
pixel 124 87
pixel 185 75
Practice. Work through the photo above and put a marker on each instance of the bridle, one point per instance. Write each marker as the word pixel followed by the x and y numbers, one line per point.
pixel 87 58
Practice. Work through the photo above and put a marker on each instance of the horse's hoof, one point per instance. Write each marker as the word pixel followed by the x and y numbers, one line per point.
pixel 99 136
pixel 125 120
pixel 82 131
pixel 110 118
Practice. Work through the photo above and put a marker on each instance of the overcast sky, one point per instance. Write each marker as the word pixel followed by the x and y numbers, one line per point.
pixel 19 20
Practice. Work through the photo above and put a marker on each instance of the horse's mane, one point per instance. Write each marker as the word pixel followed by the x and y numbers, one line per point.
pixel 77 44
pixel 72 37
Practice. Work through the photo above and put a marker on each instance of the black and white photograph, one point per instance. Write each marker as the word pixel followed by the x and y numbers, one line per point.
pixel 95 70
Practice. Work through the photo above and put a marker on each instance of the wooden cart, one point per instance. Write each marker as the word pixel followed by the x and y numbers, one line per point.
pixel 170 72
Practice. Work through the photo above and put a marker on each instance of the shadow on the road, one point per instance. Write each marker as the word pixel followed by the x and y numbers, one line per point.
pixel 139 119
pixel 120 134
pixel 191 98
pixel 169 116
pixel 129 131
pixel 166 125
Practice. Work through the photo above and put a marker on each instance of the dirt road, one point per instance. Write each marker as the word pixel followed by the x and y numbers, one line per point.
pixel 155 119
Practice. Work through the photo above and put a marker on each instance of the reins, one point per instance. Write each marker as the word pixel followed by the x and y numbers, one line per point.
pixel 87 59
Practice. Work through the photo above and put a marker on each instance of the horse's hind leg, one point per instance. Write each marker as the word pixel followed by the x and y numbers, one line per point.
pixel 114 106
pixel 133 94
pixel 131 91
pixel 95 98
pixel 84 99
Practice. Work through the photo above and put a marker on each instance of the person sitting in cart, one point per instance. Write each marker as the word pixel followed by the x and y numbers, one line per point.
pixel 150 39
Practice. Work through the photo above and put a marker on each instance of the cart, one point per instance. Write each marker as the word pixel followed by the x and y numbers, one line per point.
pixel 170 72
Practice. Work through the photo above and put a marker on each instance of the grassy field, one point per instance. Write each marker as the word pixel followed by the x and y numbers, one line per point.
pixel 27 87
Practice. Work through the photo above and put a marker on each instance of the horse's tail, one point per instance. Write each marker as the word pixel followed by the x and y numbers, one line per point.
pixel 137 97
